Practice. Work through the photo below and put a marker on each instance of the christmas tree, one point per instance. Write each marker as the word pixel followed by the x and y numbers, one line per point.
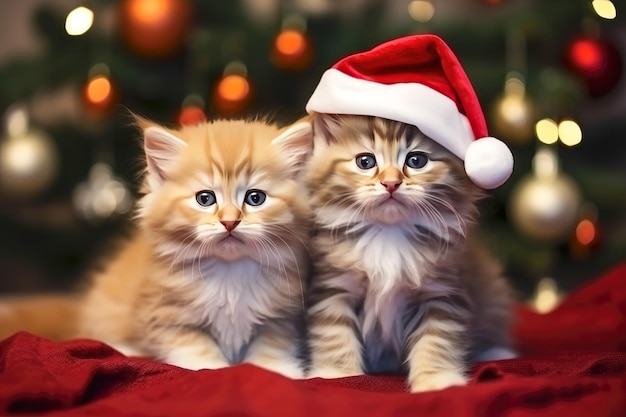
pixel 550 77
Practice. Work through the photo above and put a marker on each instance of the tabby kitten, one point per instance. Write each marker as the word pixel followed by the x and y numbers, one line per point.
pixel 214 273
pixel 401 286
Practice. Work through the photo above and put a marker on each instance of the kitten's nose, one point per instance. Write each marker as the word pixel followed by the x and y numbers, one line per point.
pixel 230 224
pixel 391 186
pixel 391 179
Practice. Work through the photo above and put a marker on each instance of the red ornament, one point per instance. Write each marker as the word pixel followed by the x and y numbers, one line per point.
pixel 291 50
pixel 191 115
pixel 597 61
pixel 155 28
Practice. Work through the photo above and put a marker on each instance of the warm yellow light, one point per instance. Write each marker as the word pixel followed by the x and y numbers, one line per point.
pixel 604 8
pixel 546 296
pixel 547 131
pixel 570 133
pixel 233 88
pixel 78 21
pixel 421 10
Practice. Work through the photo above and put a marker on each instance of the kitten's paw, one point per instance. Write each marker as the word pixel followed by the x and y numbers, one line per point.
pixel 290 369
pixel 332 373
pixel 196 363
pixel 496 353
pixel 438 381
pixel 126 349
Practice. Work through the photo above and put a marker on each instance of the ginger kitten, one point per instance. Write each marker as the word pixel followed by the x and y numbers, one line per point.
pixel 400 284
pixel 213 274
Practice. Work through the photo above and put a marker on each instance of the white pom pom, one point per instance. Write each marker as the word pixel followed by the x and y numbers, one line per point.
pixel 488 162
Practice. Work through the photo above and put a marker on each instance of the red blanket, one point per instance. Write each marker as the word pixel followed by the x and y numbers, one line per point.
pixel 573 364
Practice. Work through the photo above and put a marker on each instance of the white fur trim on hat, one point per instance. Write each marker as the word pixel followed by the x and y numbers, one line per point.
pixel 430 111
pixel 488 162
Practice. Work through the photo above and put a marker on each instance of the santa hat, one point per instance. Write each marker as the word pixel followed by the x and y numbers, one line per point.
pixel 419 81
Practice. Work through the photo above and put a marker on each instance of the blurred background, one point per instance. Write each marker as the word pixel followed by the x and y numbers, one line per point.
pixel 549 74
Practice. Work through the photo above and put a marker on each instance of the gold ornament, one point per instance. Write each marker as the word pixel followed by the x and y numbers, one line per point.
pixel 102 194
pixel 513 113
pixel 28 158
pixel 545 205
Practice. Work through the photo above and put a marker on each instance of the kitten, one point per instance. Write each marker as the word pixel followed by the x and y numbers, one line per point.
pixel 400 284
pixel 214 273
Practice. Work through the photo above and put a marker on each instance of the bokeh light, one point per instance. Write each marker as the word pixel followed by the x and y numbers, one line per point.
pixel 291 50
pixel 570 133
pixel 586 232
pixel 421 10
pixel 233 87
pixel 604 8
pixel 79 21
pixel 98 90
pixel 290 42
pixel 547 131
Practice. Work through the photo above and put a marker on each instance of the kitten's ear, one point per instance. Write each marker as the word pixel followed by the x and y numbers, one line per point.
pixel 325 127
pixel 161 148
pixel 296 144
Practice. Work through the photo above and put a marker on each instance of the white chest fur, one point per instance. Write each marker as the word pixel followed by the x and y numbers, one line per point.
pixel 235 297
pixel 391 257
pixel 395 264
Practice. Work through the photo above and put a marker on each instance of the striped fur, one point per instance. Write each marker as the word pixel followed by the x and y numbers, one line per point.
pixel 181 289
pixel 400 284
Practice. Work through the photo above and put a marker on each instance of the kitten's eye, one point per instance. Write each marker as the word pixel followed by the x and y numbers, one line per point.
pixel 416 160
pixel 205 198
pixel 254 198
pixel 365 161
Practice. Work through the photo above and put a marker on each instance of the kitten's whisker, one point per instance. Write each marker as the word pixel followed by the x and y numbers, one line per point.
pixel 451 210
pixel 355 209
pixel 181 244
pixel 278 260
pixel 294 261
pixel 286 230
pixel 276 252
pixel 266 248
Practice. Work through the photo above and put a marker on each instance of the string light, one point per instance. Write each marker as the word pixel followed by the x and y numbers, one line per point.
pixel 233 91
pixel 99 93
pixel 233 87
pixel 547 131
pixel 292 48
pixel 570 133
pixel 290 42
pixel 585 232
pixel 98 89
pixel 79 21
pixel 604 8
pixel 421 10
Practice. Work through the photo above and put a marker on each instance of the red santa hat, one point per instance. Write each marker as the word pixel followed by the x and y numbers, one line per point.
pixel 419 81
